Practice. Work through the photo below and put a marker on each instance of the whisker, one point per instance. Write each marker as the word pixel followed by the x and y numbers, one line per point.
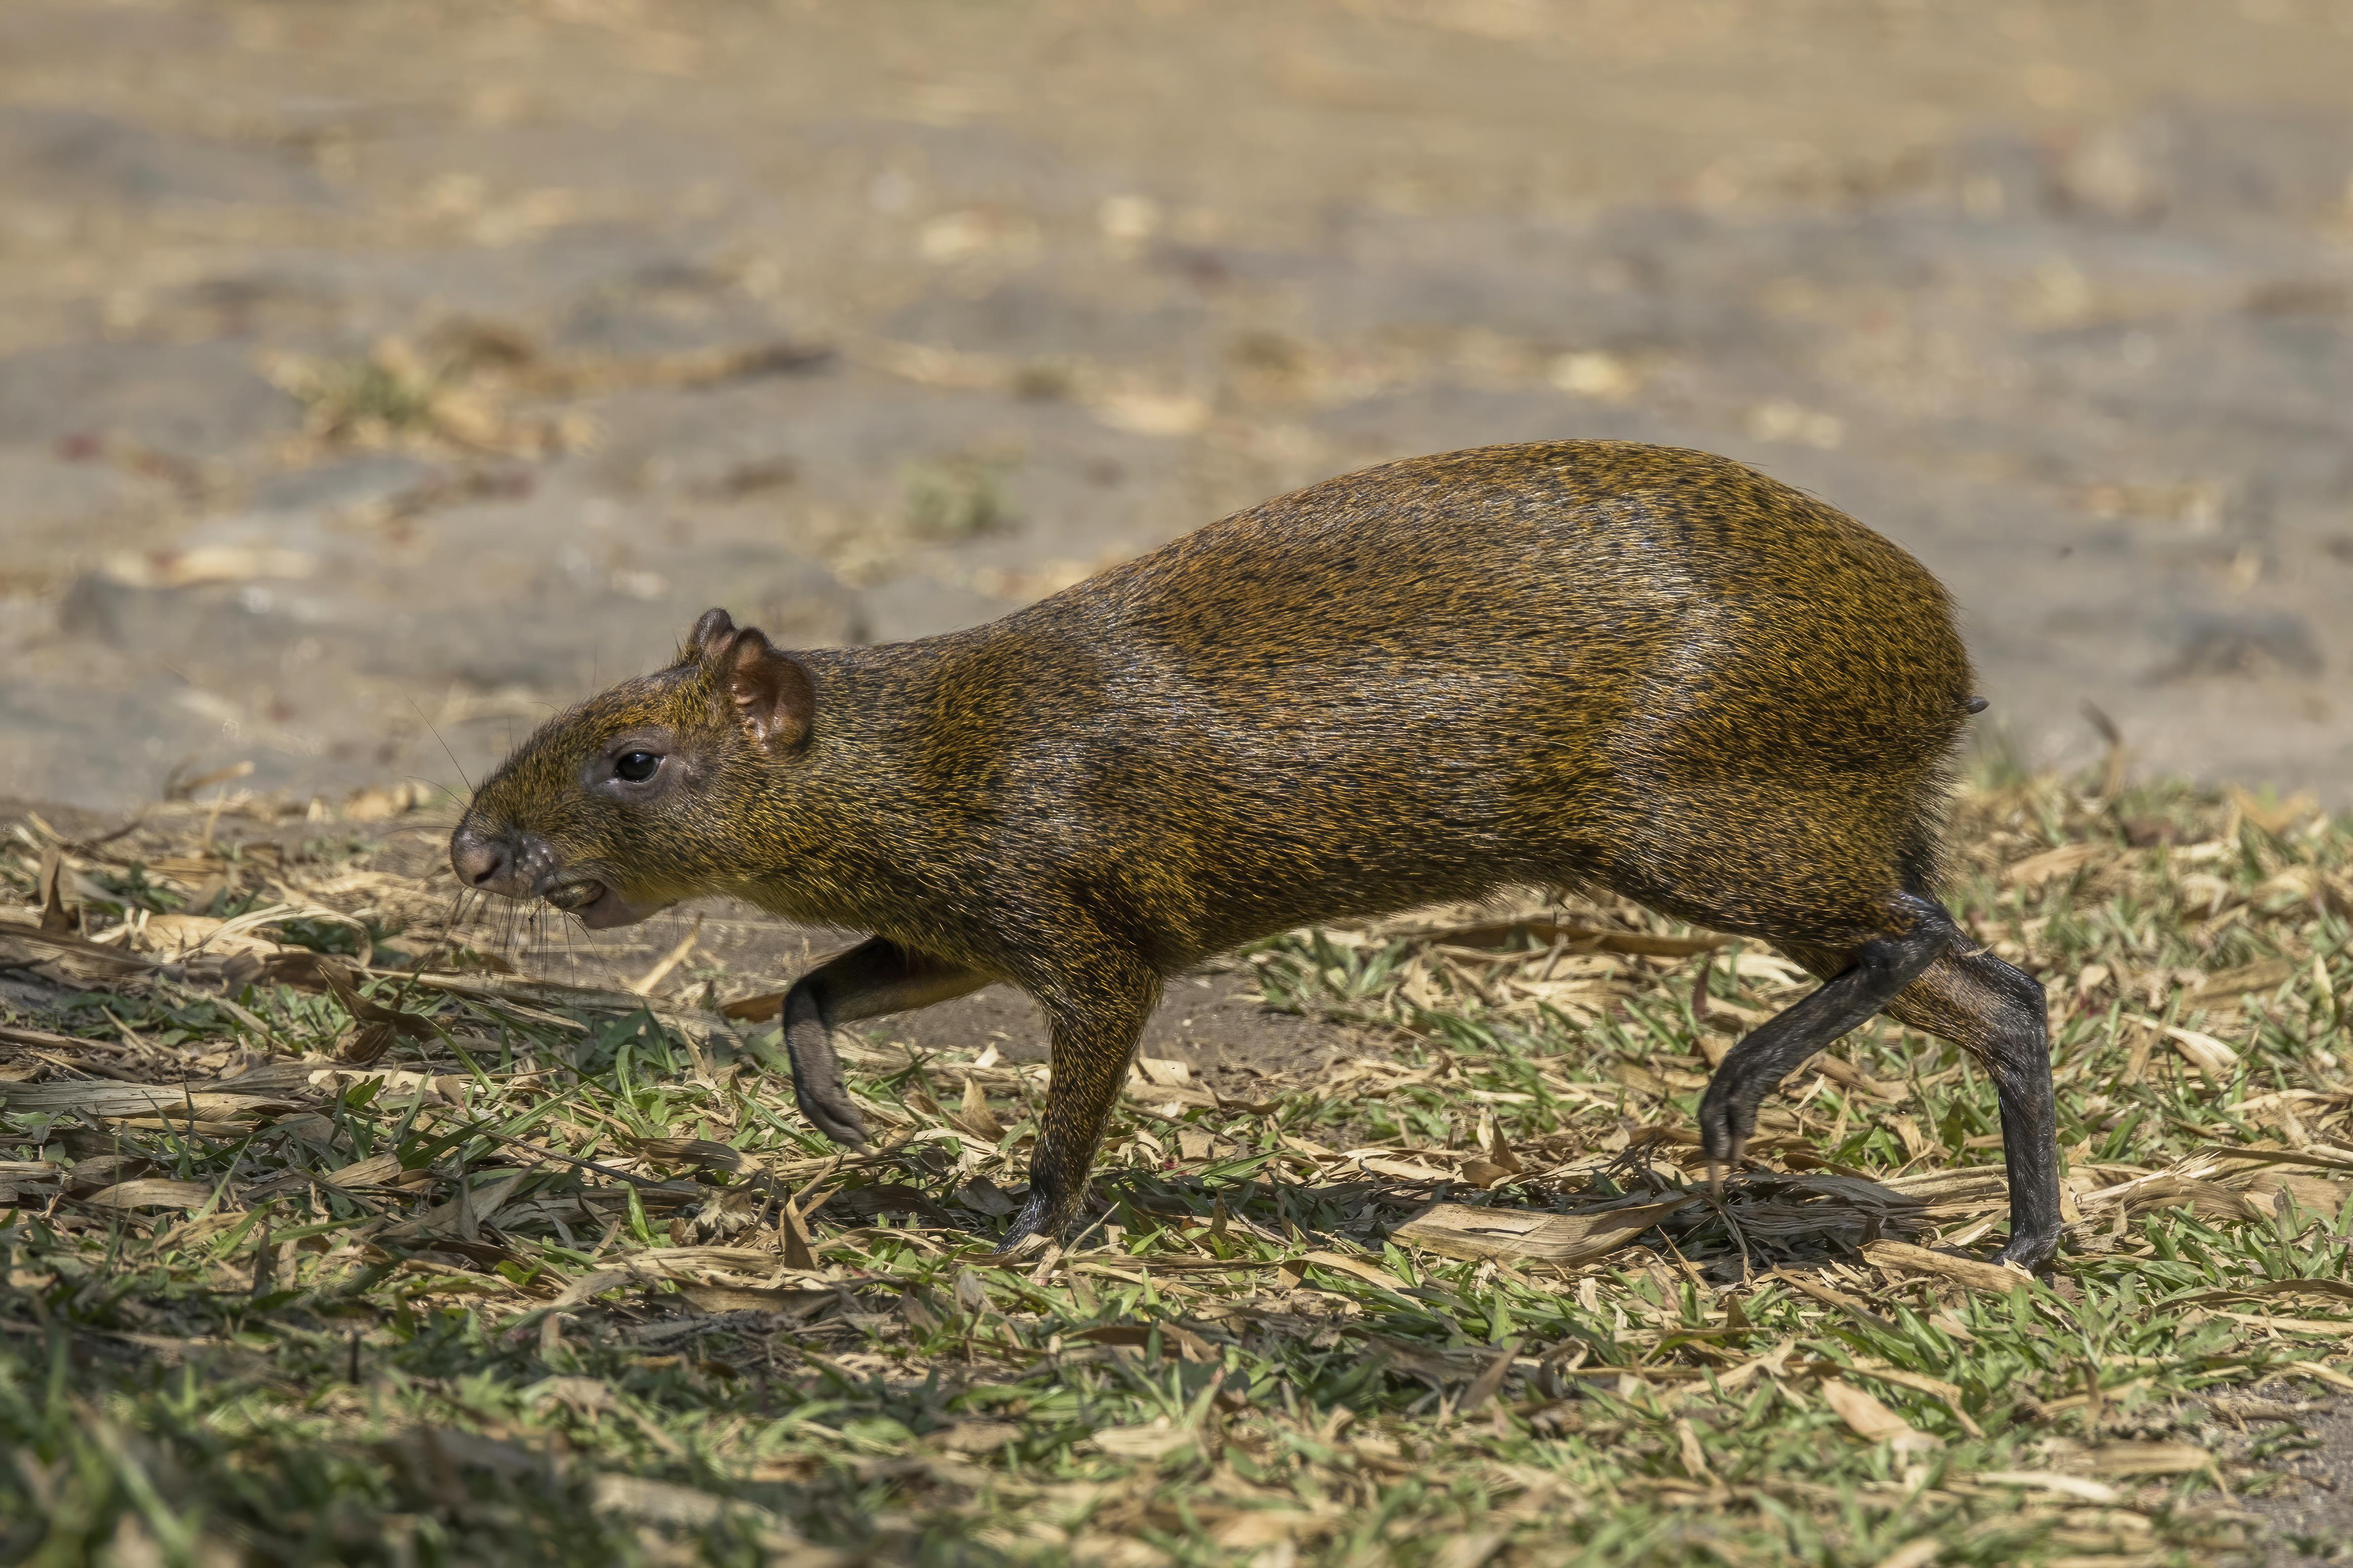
pixel 444 745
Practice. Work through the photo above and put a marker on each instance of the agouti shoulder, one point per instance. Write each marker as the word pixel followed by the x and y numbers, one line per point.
pixel 1571 663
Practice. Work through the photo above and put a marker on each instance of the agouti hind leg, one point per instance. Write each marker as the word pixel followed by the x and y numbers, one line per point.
pixel 1995 1012
pixel 1880 969
pixel 875 978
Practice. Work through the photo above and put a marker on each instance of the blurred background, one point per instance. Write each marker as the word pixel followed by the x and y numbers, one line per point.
pixel 375 368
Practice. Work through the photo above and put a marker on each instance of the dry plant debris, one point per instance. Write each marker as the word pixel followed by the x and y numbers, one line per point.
pixel 327 1239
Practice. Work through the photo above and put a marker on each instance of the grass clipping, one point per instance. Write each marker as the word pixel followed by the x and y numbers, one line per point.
pixel 326 1241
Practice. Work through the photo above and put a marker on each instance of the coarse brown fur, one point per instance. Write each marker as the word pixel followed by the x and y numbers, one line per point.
pixel 1577 662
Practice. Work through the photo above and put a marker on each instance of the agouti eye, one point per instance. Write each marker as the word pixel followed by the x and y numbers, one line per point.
pixel 636 767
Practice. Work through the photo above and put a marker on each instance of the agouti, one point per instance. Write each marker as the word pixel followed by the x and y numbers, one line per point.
pixel 1570 664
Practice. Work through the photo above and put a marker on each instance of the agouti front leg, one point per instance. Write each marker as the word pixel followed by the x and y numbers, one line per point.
pixel 1094 1013
pixel 874 978
pixel 1882 968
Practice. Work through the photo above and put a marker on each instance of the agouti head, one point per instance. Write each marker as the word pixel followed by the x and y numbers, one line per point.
pixel 606 811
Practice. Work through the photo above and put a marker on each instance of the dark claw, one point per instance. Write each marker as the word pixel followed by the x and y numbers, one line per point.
pixel 1723 1128
pixel 2035 1254
pixel 836 1116
pixel 1021 1236
pixel 1038 1223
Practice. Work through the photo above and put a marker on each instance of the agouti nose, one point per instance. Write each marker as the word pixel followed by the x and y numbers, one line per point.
pixel 478 862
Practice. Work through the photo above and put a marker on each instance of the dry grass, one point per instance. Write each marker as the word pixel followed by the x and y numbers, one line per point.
pixel 465 1268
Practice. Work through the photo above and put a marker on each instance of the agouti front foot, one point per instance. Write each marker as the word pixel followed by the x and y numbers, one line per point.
pixel 1038 1222
pixel 2035 1254
pixel 1723 1128
pixel 818 1087
pixel 832 1115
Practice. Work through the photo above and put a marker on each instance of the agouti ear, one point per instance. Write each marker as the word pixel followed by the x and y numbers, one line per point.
pixel 710 638
pixel 770 691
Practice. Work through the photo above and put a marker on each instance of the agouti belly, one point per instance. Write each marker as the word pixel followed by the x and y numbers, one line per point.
pixel 1572 663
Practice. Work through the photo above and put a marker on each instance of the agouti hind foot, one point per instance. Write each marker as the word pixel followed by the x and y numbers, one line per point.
pixel 1756 1066
pixel 1995 1012
pixel 1934 980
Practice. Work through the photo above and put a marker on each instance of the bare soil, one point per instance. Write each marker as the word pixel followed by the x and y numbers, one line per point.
pixel 2309 1516
pixel 375 376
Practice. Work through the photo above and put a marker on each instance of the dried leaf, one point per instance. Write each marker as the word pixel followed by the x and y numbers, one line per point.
pixel 1143 1442
pixel 2268 976
pixel 114 1099
pixel 800 1247
pixel 1998 1278
pixel 665 1503
pixel 19 1035
pixel 978 1436
pixel 698 1154
pixel 2211 1056
pixel 974 1116
pixel 589 1285
pixel 105 1171
pixel 49 895
pixel 177 938
pixel 1490 1378
pixel 153 1194
pixel 2037 869
pixel 1873 1422
pixel 1186 1342
pixel 894 1197
pixel 984 1196
pixel 345 985
pixel 2143 1459
pixel 710 1297
pixel 2322 1372
pixel 1913 1553
pixel 365 1044
pixel 1491 1142
pixel 1936 1386
pixel 1456 1230
pixel 1693 1457
pixel 1358 1269
pixel 480 1205
pixel 2076 1486
pixel 66 958
pixel 1846 1075
pixel 2165 1190
pixel 1403 1170
pixel 757 1009
pixel 375 1170
pixel 2313 1195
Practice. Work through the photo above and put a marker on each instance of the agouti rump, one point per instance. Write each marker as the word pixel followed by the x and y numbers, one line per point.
pixel 1568 664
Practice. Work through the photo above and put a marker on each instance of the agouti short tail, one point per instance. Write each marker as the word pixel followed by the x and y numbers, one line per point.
pixel 1571 663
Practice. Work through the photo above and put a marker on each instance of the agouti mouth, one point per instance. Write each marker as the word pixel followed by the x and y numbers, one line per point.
pixel 598 905
pixel 574 898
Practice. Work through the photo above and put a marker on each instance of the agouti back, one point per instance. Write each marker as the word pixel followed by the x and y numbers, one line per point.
pixel 1574 663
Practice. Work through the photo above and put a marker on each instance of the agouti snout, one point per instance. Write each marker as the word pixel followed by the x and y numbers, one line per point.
pixel 1565 664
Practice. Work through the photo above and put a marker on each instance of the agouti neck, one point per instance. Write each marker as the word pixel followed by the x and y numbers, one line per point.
pixel 843 833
